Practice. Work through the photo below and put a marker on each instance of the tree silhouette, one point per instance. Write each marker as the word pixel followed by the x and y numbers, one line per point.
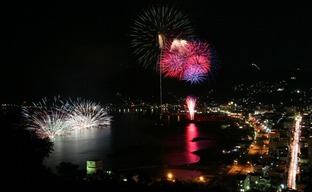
pixel 68 171
pixel 22 155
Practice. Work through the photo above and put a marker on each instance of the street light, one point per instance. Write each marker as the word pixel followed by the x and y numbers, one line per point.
pixel 170 176
pixel 201 179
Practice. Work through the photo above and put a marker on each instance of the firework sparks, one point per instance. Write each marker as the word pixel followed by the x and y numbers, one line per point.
pixel 178 45
pixel 191 102
pixel 172 62
pixel 60 118
pixel 87 114
pixel 48 120
pixel 151 30
pixel 193 75
pixel 191 61
pixel 153 27
pixel 255 65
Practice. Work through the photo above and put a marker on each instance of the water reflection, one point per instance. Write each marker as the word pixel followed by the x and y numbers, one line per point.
pixel 191 133
pixel 134 141
pixel 80 146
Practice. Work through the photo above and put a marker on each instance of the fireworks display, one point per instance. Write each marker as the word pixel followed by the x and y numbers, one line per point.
pixel 194 75
pixel 87 114
pixel 60 118
pixel 153 27
pixel 173 62
pixel 197 62
pixel 47 118
pixel 191 61
pixel 191 103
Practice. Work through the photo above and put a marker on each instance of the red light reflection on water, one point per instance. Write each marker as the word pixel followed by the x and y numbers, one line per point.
pixel 191 133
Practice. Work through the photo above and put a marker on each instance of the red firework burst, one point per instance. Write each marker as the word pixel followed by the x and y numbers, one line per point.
pixel 189 61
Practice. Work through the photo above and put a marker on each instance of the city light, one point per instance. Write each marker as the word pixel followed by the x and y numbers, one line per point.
pixel 170 177
pixel 294 149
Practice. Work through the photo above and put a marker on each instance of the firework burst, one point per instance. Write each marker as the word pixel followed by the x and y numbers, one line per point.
pixel 152 28
pixel 47 119
pixel 191 61
pixel 60 118
pixel 194 75
pixel 87 114
pixel 210 59
pixel 172 62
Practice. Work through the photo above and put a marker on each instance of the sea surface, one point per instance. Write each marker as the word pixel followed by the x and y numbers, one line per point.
pixel 139 138
pixel 135 139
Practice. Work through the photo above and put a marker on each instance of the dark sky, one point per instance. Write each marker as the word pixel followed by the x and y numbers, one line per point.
pixel 80 49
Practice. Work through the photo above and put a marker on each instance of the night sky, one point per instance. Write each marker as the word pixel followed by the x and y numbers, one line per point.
pixel 76 49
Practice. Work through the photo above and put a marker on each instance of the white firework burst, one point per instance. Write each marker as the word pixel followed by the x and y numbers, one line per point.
pixel 87 114
pixel 151 29
pixel 47 120
pixel 61 118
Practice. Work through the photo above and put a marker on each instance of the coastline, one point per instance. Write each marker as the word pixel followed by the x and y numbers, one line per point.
pixel 204 167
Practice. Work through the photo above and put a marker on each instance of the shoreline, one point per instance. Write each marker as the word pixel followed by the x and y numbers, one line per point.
pixel 207 167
